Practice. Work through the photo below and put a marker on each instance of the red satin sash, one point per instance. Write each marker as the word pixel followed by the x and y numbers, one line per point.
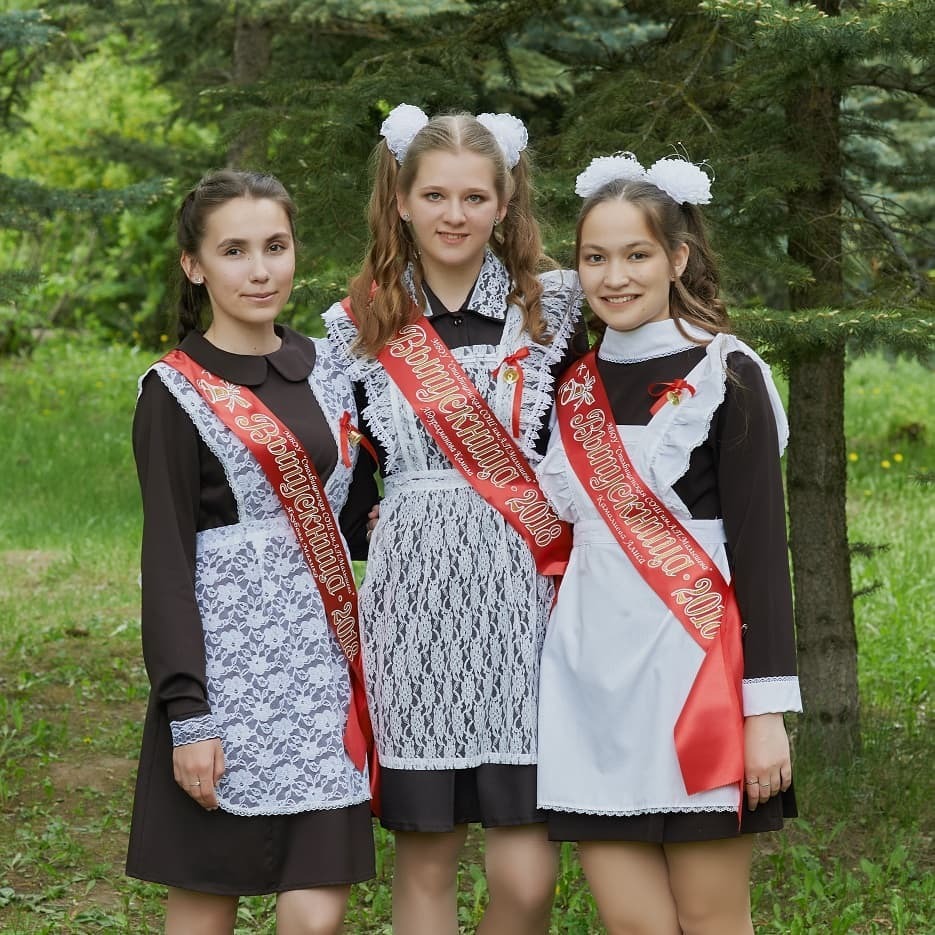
pixel 469 434
pixel 709 730
pixel 293 476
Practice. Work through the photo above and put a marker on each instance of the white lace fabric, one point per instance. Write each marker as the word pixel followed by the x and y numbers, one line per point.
pixel 277 680
pixel 453 612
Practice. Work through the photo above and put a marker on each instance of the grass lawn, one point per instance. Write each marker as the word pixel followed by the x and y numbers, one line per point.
pixel 73 689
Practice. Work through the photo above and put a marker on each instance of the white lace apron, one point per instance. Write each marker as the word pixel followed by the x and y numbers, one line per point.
pixel 617 666
pixel 277 680
pixel 453 612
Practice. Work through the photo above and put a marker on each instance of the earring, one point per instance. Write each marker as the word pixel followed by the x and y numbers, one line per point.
pixel 496 221
pixel 198 281
pixel 406 217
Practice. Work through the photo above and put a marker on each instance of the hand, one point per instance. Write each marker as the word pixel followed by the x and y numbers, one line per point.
pixel 198 767
pixel 768 767
pixel 373 518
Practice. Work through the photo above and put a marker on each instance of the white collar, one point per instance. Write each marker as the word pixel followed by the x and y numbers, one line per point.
pixel 489 293
pixel 654 339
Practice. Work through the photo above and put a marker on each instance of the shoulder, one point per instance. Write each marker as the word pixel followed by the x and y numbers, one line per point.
pixel 158 413
pixel 341 336
pixel 559 282
pixel 339 326
pixel 750 385
pixel 560 302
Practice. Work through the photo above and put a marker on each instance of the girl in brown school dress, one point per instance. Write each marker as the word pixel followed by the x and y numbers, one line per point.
pixel 244 785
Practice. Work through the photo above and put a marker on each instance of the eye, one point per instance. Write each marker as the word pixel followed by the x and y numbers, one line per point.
pixel 277 247
pixel 433 196
pixel 233 251
pixel 638 255
pixel 593 258
pixel 476 199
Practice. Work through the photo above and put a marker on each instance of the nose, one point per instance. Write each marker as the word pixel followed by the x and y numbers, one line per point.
pixel 616 273
pixel 258 270
pixel 454 211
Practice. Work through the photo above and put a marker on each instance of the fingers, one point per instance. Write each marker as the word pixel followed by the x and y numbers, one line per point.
pixel 372 518
pixel 770 782
pixel 197 767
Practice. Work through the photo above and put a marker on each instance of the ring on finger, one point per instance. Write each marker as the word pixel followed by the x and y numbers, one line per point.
pixel 197 782
pixel 753 782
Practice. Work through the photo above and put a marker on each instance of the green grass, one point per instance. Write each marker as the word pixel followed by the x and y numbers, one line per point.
pixel 73 689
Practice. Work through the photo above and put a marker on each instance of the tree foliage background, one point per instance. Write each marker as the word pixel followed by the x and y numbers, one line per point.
pixel 817 119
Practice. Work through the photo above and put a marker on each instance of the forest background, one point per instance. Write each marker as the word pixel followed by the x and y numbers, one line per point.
pixel 817 121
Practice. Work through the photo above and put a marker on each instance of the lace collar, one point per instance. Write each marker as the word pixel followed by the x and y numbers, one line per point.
pixel 488 295
pixel 293 360
pixel 654 339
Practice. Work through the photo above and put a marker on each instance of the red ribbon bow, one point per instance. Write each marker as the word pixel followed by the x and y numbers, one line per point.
pixel 351 435
pixel 513 366
pixel 670 392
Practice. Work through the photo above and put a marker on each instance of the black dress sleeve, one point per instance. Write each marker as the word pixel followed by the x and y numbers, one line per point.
pixel 753 508
pixel 361 497
pixel 166 448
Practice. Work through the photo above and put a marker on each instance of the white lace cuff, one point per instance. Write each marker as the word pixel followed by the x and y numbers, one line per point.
pixel 194 729
pixel 771 695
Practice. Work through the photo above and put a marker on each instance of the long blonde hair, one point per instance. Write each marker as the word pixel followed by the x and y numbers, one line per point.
pixel 517 241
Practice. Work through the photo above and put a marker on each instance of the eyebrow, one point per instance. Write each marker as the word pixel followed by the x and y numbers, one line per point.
pixel 628 246
pixel 240 242
pixel 482 190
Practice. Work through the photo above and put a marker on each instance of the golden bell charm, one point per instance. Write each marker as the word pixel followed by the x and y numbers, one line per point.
pixel 353 436
pixel 510 374
pixel 673 397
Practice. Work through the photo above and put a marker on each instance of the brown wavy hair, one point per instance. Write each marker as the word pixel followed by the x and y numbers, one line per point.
pixel 693 296
pixel 517 241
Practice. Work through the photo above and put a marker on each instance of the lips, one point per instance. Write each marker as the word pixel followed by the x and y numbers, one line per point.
pixel 618 299
pixel 259 296
pixel 450 238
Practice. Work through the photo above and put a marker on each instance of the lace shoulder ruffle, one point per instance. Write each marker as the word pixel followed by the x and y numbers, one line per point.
pixel 681 429
pixel 342 333
pixel 553 474
pixel 561 307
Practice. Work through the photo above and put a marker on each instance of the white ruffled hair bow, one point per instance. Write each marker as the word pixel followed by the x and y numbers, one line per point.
pixel 683 181
pixel 406 120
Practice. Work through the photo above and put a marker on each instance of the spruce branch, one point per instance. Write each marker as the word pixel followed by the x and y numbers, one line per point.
pixel 887 233
pixel 888 78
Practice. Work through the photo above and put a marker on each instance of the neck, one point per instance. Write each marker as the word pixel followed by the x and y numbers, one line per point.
pixel 237 338
pixel 452 285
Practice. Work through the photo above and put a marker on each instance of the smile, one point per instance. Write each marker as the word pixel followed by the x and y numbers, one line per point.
pixel 260 296
pixel 452 238
pixel 619 299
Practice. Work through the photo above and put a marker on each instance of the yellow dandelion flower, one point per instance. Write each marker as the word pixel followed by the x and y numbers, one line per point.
pixel 853 456
pixel 163 338
pixel 885 464
pixel 897 457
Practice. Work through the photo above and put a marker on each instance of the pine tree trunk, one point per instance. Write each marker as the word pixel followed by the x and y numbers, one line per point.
pixel 816 476
pixel 253 42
